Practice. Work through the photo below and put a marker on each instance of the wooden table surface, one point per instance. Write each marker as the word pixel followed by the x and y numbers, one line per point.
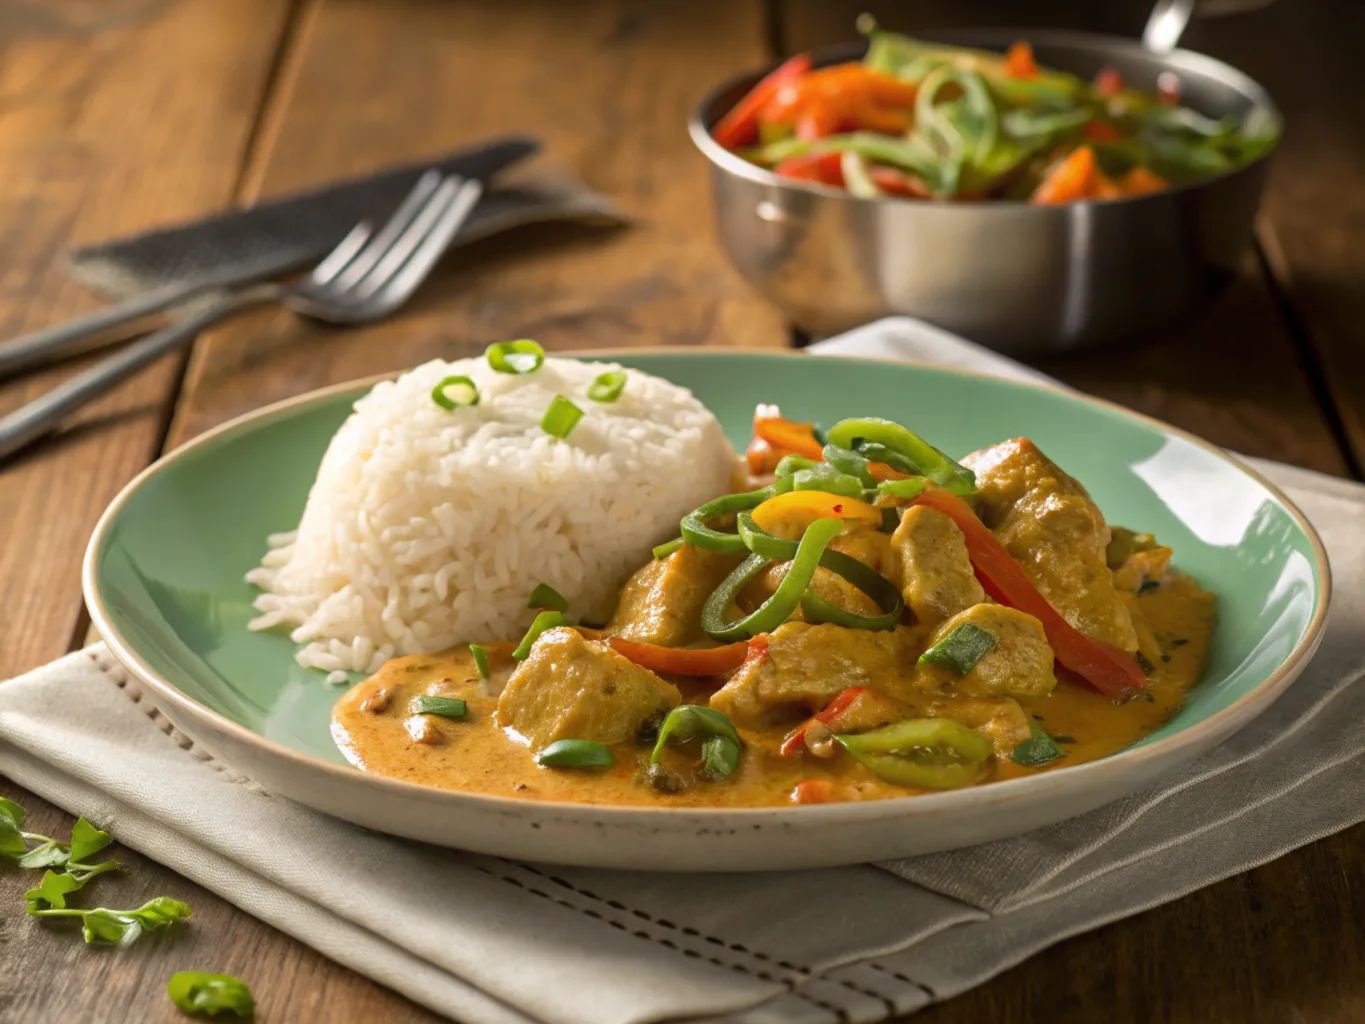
pixel 120 115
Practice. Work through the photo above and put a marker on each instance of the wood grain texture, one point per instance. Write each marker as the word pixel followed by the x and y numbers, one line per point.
pixel 112 118
pixel 607 84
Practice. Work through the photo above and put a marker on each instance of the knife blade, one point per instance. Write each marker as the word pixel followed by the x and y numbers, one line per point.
pixel 167 267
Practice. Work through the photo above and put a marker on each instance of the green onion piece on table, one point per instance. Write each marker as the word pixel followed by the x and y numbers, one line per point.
pixel 454 392
pixel 575 754
pixel 480 660
pixel 922 753
pixel 664 550
pixel 608 386
pixel 195 992
pixel 850 462
pixel 561 417
pixel 926 459
pixel 545 596
pixel 1038 750
pixel 720 743
pixel 445 707
pixel 961 649
pixel 543 621
pixel 816 609
pixel 523 356
pixel 785 600
pixel 912 487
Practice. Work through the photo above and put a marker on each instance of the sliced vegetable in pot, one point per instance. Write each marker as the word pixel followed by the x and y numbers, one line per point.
pixel 921 753
pixel 561 417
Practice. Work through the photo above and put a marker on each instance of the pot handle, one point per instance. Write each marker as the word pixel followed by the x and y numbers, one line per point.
pixel 1167 24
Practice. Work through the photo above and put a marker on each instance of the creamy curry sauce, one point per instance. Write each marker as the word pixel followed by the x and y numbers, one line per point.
pixel 1116 588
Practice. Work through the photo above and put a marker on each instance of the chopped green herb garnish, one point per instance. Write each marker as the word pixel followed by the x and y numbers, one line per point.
pixel 1038 750
pixel 961 649
pixel 446 707
pixel 195 992
pixel 547 597
pixel 561 417
pixel 608 386
pixel 480 660
pixel 544 621
pixel 576 754
pixel 1064 739
pixel 1143 663
pixel 664 550
pixel 454 392
pixel 521 357
pixel 1179 641
pixel 720 743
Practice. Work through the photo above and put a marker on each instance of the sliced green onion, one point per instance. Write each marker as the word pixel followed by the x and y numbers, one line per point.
pixel 608 386
pixel 1038 750
pixel 523 356
pixel 911 487
pixel 849 462
pixel 543 621
pixel 785 600
pixel 547 597
pixel 454 392
pixel 720 743
pixel 561 417
pixel 790 464
pixel 926 458
pixel 446 707
pixel 816 609
pixel 828 480
pixel 922 753
pixel 664 550
pixel 480 660
pixel 961 649
pixel 576 754
pixel 697 533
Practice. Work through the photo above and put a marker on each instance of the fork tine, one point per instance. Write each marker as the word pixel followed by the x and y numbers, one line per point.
pixel 365 259
pixel 407 243
pixel 413 272
pixel 343 253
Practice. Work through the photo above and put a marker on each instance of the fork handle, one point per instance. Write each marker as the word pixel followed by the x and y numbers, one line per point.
pixel 39 417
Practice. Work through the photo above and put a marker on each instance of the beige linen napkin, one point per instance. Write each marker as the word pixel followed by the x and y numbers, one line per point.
pixel 487 940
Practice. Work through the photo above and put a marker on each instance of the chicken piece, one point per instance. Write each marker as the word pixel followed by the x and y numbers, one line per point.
pixel 807 665
pixel 661 603
pixel 571 688
pixel 1002 721
pixel 927 559
pixel 1019 665
pixel 1046 520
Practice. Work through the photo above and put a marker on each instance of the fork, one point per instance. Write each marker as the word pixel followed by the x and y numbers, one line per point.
pixel 368 276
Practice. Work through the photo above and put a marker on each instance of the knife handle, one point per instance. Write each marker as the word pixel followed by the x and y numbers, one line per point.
pixel 41 416
pixel 49 346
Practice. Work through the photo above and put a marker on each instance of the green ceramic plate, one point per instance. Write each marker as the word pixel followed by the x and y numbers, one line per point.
pixel 164 580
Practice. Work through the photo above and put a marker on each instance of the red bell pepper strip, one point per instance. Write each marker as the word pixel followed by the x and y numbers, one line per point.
pixel 796 742
pixel 1101 131
pixel 1105 667
pixel 789 437
pixel 897 183
pixel 681 661
pixel 1019 61
pixel 813 791
pixel 740 126
pixel 1108 82
pixel 825 168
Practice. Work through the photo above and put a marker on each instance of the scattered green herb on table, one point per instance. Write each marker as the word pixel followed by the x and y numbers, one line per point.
pixel 196 992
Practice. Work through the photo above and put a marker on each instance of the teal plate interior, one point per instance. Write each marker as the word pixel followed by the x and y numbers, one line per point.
pixel 166 567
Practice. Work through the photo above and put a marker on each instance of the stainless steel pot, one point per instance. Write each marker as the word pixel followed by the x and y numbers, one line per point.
pixel 1016 277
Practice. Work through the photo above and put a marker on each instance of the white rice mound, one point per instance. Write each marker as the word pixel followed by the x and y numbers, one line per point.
pixel 429 527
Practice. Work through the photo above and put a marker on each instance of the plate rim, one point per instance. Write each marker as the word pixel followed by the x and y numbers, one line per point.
pixel 1216 727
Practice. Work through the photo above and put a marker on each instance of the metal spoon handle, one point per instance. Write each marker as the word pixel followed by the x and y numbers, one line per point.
pixel 39 417
pixel 1167 24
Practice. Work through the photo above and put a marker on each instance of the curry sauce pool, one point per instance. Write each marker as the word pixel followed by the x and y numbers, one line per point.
pixel 871 620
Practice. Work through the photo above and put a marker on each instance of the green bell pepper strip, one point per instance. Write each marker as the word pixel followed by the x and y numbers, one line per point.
pixel 874 452
pixel 696 532
pixel 666 549
pixel 576 754
pixel 961 649
pixel 850 462
pixel 542 622
pixel 785 600
pixel 926 459
pixel 911 487
pixel 921 753
pixel 790 465
pixel 827 479
pixel 1038 750
pixel 817 609
pixel 720 743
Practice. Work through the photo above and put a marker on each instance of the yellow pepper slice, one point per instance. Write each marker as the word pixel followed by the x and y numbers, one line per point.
pixel 801 508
